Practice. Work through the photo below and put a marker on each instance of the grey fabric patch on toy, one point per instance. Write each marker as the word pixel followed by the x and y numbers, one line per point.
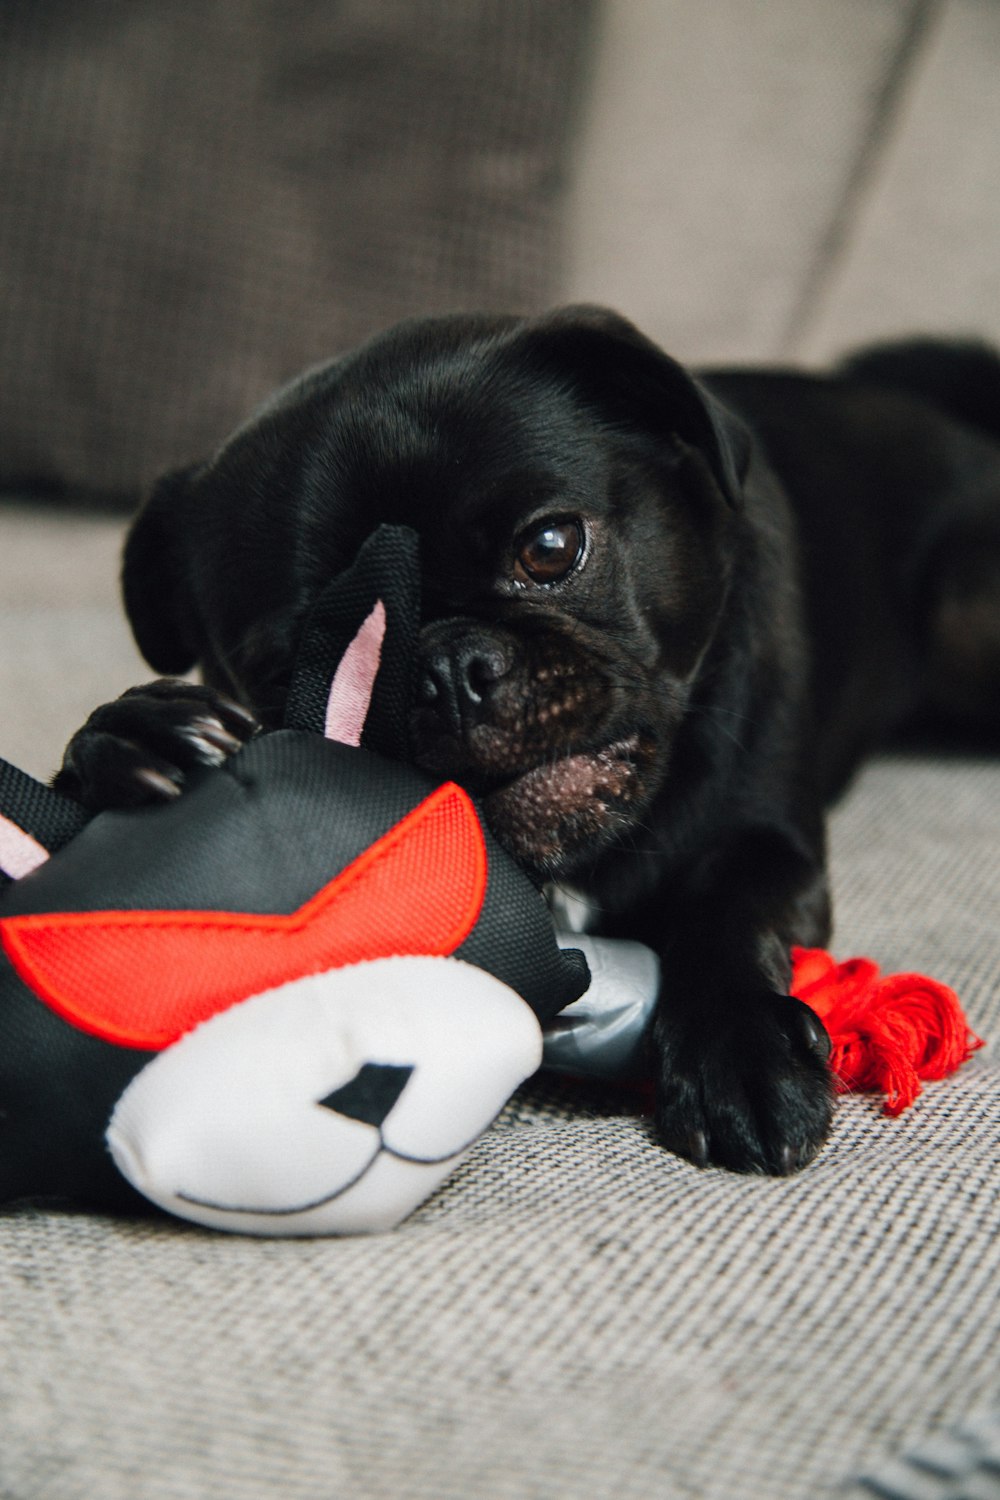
pixel 601 1035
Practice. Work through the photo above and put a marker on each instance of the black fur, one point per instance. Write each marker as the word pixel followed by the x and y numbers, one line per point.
pixel 777 571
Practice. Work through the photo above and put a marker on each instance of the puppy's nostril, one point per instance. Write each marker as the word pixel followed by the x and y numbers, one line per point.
pixel 482 670
pixel 474 683
pixel 437 690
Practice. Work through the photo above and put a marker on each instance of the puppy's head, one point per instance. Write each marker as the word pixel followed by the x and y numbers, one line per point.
pixel 575 492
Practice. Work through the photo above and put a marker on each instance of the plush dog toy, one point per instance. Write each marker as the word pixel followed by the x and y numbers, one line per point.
pixel 289 1001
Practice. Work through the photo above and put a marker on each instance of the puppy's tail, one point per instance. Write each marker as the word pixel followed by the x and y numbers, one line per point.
pixel 959 376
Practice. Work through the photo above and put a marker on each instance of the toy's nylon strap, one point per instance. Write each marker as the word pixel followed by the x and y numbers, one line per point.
pixel 386 570
pixel 49 819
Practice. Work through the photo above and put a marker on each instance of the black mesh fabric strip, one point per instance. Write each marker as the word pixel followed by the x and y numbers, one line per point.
pixel 50 818
pixel 385 569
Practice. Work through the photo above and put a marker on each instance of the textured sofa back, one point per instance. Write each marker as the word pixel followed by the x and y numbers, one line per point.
pixel 198 200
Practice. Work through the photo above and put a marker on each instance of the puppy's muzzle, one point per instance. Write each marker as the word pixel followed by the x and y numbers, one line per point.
pixel 459 675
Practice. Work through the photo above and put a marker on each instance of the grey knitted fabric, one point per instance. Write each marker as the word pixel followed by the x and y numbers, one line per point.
pixel 575 1314
pixel 961 1462
pixel 197 199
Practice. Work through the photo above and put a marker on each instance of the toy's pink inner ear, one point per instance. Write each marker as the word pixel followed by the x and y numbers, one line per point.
pixel 19 852
pixel 354 679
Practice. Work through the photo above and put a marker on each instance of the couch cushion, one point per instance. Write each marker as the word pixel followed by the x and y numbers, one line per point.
pixel 196 201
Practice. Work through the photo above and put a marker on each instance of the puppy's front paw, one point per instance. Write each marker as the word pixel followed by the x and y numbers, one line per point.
pixel 141 747
pixel 746 1087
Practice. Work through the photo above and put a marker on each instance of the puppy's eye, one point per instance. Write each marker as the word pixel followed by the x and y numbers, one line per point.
pixel 548 551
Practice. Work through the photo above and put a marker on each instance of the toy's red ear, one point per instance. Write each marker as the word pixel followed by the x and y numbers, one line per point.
pixel 144 978
pixel 353 678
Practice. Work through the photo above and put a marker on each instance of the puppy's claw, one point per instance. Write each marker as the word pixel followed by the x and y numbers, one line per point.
pixel 161 787
pixel 697 1148
pixel 817 1036
pixel 210 740
pixel 243 717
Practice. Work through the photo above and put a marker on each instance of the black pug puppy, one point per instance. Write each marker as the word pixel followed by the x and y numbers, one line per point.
pixel 664 618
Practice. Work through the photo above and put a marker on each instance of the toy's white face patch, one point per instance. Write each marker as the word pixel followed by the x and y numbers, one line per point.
pixel 332 1105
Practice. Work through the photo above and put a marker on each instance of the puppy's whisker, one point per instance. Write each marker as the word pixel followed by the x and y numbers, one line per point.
pixel 715 715
pixel 729 713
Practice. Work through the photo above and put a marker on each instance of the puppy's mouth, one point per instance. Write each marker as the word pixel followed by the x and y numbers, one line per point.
pixel 551 739
pixel 555 813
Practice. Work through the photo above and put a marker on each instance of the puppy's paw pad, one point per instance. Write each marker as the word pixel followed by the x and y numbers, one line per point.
pixel 142 747
pixel 749 1089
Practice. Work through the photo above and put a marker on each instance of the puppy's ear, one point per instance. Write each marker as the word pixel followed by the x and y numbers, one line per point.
pixel 632 381
pixel 154 578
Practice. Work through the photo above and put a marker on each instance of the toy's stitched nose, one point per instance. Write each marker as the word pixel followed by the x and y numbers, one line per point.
pixel 457 677
pixel 370 1094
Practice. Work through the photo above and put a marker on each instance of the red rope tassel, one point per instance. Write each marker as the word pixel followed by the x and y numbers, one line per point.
pixel 888 1033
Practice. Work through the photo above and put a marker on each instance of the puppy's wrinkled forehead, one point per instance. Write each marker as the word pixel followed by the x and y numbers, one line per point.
pixel 463 451
pixel 470 429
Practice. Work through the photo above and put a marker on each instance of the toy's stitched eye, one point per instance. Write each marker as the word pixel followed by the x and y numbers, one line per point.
pixel 370 1094
pixel 548 551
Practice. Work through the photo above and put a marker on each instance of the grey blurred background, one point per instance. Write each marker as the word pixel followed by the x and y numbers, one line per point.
pixel 779 180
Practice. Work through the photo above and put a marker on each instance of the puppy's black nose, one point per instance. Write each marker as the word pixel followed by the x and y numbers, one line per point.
pixel 457 676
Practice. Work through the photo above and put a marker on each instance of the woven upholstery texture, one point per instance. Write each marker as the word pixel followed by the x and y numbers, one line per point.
pixel 575 1313
pixel 199 199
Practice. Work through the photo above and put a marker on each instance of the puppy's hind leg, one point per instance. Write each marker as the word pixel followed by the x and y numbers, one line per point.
pixel 963 630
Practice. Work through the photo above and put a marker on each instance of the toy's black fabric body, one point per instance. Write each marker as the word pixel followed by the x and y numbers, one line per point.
pixel 261 835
